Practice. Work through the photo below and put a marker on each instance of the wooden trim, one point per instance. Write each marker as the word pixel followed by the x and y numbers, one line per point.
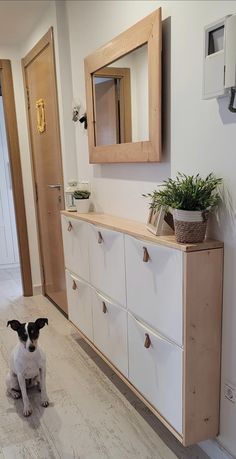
pixel 38 48
pixel 148 30
pixel 131 387
pixel 46 40
pixel 139 230
pixel 16 173
pixel 203 273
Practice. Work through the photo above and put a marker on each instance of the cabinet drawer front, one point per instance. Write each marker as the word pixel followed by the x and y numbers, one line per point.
pixel 156 370
pixel 154 286
pixel 75 241
pixel 107 266
pixel 110 331
pixel 79 304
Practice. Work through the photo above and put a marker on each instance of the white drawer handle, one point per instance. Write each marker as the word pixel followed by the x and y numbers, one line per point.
pixel 104 308
pixel 147 342
pixel 146 255
pixel 74 285
pixel 100 239
pixel 69 227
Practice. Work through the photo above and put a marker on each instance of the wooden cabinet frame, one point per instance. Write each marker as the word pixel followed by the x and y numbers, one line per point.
pixel 148 30
pixel 202 278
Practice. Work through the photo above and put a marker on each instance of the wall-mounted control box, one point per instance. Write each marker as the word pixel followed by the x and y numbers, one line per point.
pixel 219 73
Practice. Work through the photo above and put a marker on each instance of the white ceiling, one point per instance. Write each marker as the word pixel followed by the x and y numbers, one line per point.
pixel 18 19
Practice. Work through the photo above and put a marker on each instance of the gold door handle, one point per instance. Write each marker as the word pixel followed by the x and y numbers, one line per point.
pixel 69 227
pixel 147 342
pixel 146 255
pixel 41 124
pixel 74 285
pixel 100 238
pixel 104 308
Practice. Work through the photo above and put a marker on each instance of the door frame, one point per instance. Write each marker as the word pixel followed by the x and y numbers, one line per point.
pixel 16 174
pixel 45 41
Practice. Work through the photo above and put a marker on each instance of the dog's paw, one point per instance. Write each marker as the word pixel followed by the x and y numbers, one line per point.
pixel 27 411
pixel 45 403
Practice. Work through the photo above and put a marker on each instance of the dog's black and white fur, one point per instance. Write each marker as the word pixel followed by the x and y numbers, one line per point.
pixel 28 363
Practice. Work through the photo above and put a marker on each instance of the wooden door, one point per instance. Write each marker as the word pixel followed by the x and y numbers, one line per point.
pixel 40 83
pixel 8 238
pixel 107 131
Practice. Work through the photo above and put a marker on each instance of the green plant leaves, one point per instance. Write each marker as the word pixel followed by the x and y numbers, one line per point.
pixel 187 192
pixel 81 194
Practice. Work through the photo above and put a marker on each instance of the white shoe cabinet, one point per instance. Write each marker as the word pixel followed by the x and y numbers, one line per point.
pixel 152 309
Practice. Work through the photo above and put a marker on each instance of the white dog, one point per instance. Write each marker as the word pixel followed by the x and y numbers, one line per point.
pixel 28 363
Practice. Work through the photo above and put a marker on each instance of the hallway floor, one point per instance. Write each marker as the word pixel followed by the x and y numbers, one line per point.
pixel 92 414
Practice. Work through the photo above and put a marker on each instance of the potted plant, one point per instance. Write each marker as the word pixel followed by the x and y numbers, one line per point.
pixel 190 199
pixel 82 201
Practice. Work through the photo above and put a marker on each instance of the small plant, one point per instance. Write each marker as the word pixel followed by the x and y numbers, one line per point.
pixel 81 194
pixel 187 192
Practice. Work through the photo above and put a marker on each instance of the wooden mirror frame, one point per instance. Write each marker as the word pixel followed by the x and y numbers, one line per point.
pixel 148 30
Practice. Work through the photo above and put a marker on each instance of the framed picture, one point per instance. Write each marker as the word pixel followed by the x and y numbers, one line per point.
pixel 155 221
pixel 160 222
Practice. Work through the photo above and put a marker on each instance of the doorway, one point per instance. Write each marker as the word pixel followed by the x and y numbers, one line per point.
pixel 9 254
pixel 14 248
pixel 43 125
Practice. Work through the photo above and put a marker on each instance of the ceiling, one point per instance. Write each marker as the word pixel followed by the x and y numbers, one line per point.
pixel 18 19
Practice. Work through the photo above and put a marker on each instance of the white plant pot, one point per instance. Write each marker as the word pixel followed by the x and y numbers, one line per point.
pixel 82 205
pixel 188 215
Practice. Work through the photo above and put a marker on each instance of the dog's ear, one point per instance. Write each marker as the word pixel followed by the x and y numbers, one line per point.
pixel 15 324
pixel 39 323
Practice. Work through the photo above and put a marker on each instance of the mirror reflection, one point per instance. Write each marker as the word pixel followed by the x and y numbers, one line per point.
pixel 120 99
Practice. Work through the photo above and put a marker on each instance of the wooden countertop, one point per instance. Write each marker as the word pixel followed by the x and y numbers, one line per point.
pixel 139 230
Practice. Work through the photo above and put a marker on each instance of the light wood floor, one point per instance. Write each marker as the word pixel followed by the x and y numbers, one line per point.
pixel 92 414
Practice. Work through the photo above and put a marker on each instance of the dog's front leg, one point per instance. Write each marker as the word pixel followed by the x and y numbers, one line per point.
pixel 44 397
pixel 27 410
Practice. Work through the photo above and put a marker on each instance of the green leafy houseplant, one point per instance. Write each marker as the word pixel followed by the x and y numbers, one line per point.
pixel 81 194
pixel 195 196
pixel 187 193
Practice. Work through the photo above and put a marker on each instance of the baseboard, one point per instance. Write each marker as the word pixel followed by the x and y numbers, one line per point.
pixel 215 450
pixel 37 290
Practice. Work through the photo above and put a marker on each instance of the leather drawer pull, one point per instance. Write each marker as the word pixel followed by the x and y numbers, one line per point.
pixel 147 342
pixel 104 308
pixel 69 228
pixel 146 255
pixel 74 285
pixel 100 239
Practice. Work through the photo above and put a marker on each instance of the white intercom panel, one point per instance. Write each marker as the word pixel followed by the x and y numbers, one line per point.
pixel 219 74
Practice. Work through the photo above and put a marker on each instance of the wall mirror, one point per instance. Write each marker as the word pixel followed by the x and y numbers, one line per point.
pixel 123 93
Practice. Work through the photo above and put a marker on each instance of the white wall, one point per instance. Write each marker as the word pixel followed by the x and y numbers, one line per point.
pixel 116 189
pixel 204 134
pixel 198 136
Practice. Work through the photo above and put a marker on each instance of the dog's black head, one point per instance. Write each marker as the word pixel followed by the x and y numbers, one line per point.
pixel 28 332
